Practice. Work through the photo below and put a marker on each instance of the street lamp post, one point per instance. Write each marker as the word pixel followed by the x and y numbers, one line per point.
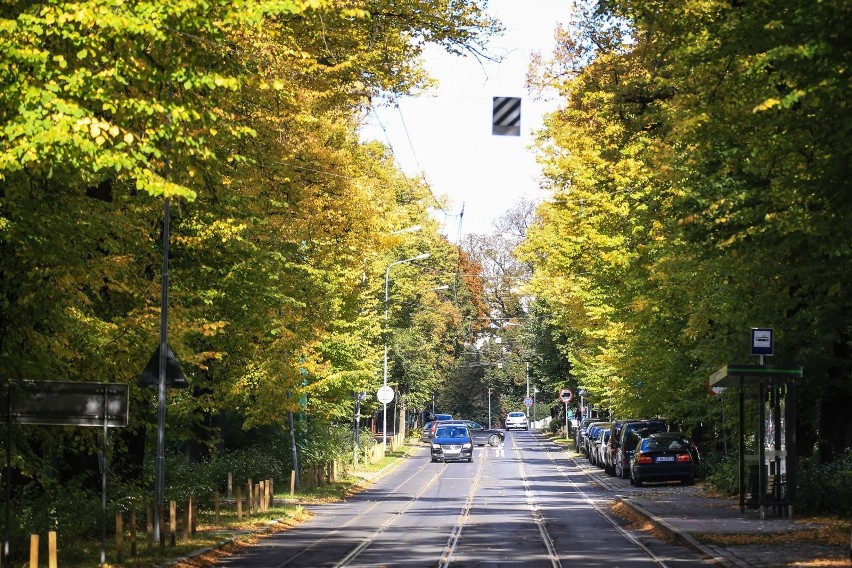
pixel 535 414
pixel 423 256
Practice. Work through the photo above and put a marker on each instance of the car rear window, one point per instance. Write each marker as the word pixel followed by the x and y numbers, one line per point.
pixel 664 444
pixel 516 414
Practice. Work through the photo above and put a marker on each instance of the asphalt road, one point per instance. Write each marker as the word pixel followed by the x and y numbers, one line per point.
pixel 521 504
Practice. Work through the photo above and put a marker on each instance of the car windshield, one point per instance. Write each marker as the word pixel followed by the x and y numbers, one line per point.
pixel 451 432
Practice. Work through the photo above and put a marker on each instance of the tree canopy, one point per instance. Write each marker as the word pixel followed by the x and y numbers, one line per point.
pixel 698 170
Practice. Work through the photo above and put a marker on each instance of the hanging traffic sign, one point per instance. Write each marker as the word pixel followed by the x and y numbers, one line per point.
pixel 566 395
pixel 385 394
pixel 506 116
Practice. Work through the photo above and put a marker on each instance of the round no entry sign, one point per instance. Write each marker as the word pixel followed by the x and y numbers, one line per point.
pixel 566 395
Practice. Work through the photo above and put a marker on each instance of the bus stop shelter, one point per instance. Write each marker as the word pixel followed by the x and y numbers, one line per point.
pixel 770 484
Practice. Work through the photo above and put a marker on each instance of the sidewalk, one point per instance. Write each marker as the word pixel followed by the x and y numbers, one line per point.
pixel 715 527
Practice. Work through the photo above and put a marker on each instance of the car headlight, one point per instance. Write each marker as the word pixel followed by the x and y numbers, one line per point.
pixel 436 446
pixel 468 446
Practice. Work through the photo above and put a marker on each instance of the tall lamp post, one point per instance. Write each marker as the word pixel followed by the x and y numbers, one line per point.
pixel 385 366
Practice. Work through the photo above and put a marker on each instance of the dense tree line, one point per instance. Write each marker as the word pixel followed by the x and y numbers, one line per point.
pixel 245 117
pixel 699 170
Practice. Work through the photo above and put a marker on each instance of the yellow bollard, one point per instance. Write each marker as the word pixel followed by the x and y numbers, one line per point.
pixel 51 550
pixel 33 551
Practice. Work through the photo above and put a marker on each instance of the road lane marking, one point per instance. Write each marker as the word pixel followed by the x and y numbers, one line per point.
pixel 455 534
pixel 552 554
pixel 563 471
pixel 358 517
pixel 388 522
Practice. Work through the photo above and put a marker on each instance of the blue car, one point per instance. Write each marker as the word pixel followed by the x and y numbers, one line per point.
pixel 452 442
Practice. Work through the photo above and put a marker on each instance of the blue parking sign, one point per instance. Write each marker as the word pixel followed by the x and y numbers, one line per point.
pixel 761 341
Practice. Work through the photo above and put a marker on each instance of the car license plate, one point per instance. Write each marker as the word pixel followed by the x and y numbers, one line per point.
pixel 665 458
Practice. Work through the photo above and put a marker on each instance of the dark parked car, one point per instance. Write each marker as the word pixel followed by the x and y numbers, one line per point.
pixel 612 445
pixel 426 435
pixel 581 430
pixel 479 433
pixel 429 428
pixel 665 456
pixel 630 434
pixel 452 442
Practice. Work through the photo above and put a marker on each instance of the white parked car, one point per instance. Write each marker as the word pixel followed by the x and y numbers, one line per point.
pixel 517 421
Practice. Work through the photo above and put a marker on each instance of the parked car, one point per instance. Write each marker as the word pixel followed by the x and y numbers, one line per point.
pixel 591 440
pixel 479 433
pixel 426 435
pixel 664 456
pixel 517 421
pixel 601 447
pixel 452 442
pixel 612 445
pixel 588 435
pixel 581 430
pixel 429 427
pixel 630 434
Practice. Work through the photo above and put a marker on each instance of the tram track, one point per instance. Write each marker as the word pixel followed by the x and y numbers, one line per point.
pixel 563 471
pixel 376 521
pixel 365 514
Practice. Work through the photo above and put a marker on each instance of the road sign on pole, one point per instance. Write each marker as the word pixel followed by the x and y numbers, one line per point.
pixel 527 401
pixel 762 341
pixel 566 395
pixel 385 394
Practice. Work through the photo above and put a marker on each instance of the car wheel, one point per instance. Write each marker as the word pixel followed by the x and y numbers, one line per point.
pixel 494 440
pixel 470 459
pixel 689 480
pixel 637 482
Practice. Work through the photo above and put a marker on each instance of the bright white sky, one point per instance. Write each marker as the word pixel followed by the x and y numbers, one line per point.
pixel 446 134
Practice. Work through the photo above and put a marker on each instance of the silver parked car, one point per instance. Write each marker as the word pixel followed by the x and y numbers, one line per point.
pixel 602 447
